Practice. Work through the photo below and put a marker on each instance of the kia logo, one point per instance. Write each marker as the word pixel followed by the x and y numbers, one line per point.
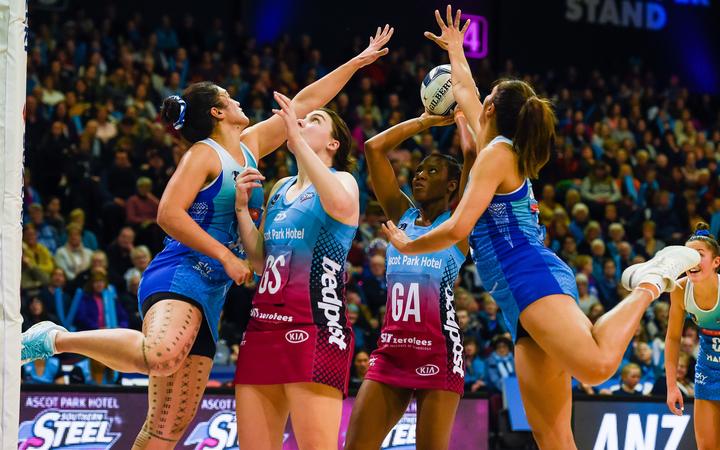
pixel 427 370
pixel 296 336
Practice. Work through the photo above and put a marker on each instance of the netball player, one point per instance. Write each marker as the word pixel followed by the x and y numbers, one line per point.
pixel 421 349
pixel 295 355
pixel 699 298
pixel 183 289
pixel 555 340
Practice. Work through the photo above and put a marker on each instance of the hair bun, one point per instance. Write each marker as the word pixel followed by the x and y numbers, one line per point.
pixel 170 110
pixel 701 226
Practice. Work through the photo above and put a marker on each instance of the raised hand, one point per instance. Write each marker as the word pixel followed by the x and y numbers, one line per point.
pixel 375 49
pixel 450 34
pixel 287 114
pixel 435 120
pixel 244 184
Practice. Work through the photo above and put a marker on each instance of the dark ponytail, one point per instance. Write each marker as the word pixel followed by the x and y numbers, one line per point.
pixel 702 234
pixel 344 161
pixel 529 121
pixel 193 118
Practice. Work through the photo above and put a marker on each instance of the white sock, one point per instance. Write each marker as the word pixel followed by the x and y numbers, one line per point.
pixel 52 334
pixel 656 280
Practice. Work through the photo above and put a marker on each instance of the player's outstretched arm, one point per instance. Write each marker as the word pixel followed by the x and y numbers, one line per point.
pixel 264 137
pixel 393 201
pixel 463 86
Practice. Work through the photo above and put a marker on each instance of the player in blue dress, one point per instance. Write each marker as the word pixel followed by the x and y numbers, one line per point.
pixel 699 298
pixel 183 289
pixel 534 288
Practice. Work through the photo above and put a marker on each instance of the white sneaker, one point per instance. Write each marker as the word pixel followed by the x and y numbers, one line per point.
pixel 669 263
pixel 38 342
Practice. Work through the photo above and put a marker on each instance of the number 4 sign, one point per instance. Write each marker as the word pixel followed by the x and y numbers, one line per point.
pixel 476 36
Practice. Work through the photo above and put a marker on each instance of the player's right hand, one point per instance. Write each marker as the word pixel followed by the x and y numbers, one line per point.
pixel 237 269
pixel 244 183
pixel 675 401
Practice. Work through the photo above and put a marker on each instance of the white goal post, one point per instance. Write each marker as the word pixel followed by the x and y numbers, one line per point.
pixel 13 74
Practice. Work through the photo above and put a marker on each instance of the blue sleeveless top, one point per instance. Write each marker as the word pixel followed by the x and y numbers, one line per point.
pixel 507 246
pixel 304 275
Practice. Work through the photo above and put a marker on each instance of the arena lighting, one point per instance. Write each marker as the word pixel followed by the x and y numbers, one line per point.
pixel 476 37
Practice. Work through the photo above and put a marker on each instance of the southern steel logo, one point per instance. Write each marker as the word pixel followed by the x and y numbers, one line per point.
pixel 67 429
pixel 220 432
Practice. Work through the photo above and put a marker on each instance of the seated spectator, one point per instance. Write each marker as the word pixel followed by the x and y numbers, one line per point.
pixel 98 263
pixel 491 320
pixel 586 299
pixel 37 262
pixel 683 381
pixel 55 297
pixel 353 312
pixel 43 371
pixel 118 252
pixel 500 363
pixel 629 383
pixel 99 307
pixel 607 285
pixel 35 312
pixel 141 211
pixel 129 301
pixel 599 188
pixel 596 310
pixel 73 257
pixel 374 284
pixel 53 215
pixel 361 365
pixel 141 258
pixel 47 234
pixel 580 218
pixel 474 366
pixel 643 357
pixel 89 240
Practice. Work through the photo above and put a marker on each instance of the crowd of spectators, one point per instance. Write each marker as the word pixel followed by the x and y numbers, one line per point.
pixel 635 167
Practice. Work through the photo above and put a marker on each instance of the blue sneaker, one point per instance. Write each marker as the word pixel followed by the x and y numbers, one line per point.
pixel 38 342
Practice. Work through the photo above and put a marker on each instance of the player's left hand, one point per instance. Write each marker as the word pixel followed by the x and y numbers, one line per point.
pixel 287 114
pixel 375 49
pixel 450 34
pixel 436 121
pixel 396 236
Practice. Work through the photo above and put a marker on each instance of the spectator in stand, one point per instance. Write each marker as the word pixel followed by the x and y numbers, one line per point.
pixel 73 257
pixel 119 251
pixel 55 296
pixel 89 240
pixel 599 188
pixel 607 284
pixel 475 372
pixel 47 234
pixel 491 321
pixel 361 364
pixel 141 212
pixel 99 307
pixel 37 262
pixel 374 285
pixel 140 257
pixel 586 299
pixel 501 363
pixel 34 312
pixel 629 383
pixel 595 312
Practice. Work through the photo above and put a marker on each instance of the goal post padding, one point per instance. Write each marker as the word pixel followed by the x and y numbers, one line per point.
pixel 13 67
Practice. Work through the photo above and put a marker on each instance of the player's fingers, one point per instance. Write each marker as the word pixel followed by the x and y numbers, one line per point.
pixel 439 20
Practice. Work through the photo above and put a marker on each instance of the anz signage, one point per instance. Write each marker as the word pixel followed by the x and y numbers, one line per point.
pixel 645 15
pixel 612 425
